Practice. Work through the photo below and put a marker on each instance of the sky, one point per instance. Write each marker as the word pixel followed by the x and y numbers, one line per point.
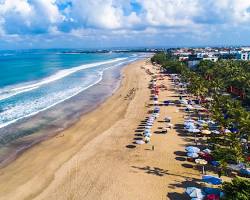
pixel 28 24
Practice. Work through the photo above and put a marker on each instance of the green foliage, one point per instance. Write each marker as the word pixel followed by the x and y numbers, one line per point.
pixel 212 79
pixel 238 189
pixel 227 154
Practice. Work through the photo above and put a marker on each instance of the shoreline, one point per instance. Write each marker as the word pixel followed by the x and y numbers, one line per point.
pixel 40 135
pixel 97 158
pixel 48 156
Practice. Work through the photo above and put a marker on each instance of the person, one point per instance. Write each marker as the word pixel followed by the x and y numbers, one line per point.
pixel 153 147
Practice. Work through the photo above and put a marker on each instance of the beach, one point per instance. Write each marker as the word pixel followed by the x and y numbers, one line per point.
pixel 96 158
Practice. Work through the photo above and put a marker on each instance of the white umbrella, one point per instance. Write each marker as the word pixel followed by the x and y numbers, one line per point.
pixel 200 161
pixel 194 130
pixel 192 155
pixel 216 132
pixel 194 192
pixel 206 132
pixel 192 149
pixel 207 151
pixel 139 142
pixel 227 131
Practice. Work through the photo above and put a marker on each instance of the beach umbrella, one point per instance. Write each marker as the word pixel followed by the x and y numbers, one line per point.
pixel 190 126
pixel 206 132
pixel 147 134
pixel 189 123
pixel 189 107
pixel 192 155
pixel 207 151
pixel 139 142
pixel 212 197
pixel 206 156
pixel 184 101
pixel 209 190
pixel 215 163
pixel 244 140
pixel 216 132
pixel 227 131
pixel 200 161
pixel 192 149
pixel 245 172
pixel 211 179
pixel 201 121
pixel 194 192
pixel 195 130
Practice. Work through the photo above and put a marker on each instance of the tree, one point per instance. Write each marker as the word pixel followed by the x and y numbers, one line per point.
pixel 238 189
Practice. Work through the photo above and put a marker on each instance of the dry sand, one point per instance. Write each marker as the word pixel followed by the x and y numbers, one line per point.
pixel 96 159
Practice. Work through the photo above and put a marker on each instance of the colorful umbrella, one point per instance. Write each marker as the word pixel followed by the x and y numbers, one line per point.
pixel 192 155
pixel 212 197
pixel 192 149
pixel 206 132
pixel 200 161
pixel 211 179
pixel 208 151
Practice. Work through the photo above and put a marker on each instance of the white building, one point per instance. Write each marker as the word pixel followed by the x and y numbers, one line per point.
pixel 245 56
pixel 212 58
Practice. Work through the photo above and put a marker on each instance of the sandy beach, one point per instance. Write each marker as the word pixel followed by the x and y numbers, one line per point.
pixel 97 159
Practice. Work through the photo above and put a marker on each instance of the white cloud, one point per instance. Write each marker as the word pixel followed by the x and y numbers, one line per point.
pixel 121 18
pixel 22 16
pixel 169 12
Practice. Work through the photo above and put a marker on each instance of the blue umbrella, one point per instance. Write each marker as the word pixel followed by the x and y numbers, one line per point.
pixel 208 190
pixel 192 149
pixel 188 123
pixel 192 155
pixel 190 126
pixel 212 180
pixel 215 163
pixel 245 172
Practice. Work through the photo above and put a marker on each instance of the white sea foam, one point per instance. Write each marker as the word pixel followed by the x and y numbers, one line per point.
pixel 27 109
pixel 9 92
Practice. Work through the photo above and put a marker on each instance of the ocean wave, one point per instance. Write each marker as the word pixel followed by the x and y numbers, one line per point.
pixel 9 92
pixel 28 109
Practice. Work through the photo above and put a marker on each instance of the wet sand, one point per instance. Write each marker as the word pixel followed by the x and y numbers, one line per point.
pixel 97 159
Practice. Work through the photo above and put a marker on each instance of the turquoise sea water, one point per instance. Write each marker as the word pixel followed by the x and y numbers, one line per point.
pixel 44 91
pixel 35 80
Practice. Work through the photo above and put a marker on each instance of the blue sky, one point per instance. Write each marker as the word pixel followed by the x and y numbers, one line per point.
pixel 123 23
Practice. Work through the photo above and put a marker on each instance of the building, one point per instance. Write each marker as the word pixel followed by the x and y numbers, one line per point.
pixel 212 58
pixel 243 55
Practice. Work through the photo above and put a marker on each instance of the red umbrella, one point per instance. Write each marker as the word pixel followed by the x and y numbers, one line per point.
pixel 206 156
pixel 212 197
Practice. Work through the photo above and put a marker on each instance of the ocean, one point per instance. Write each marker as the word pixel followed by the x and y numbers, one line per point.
pixel 45 91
